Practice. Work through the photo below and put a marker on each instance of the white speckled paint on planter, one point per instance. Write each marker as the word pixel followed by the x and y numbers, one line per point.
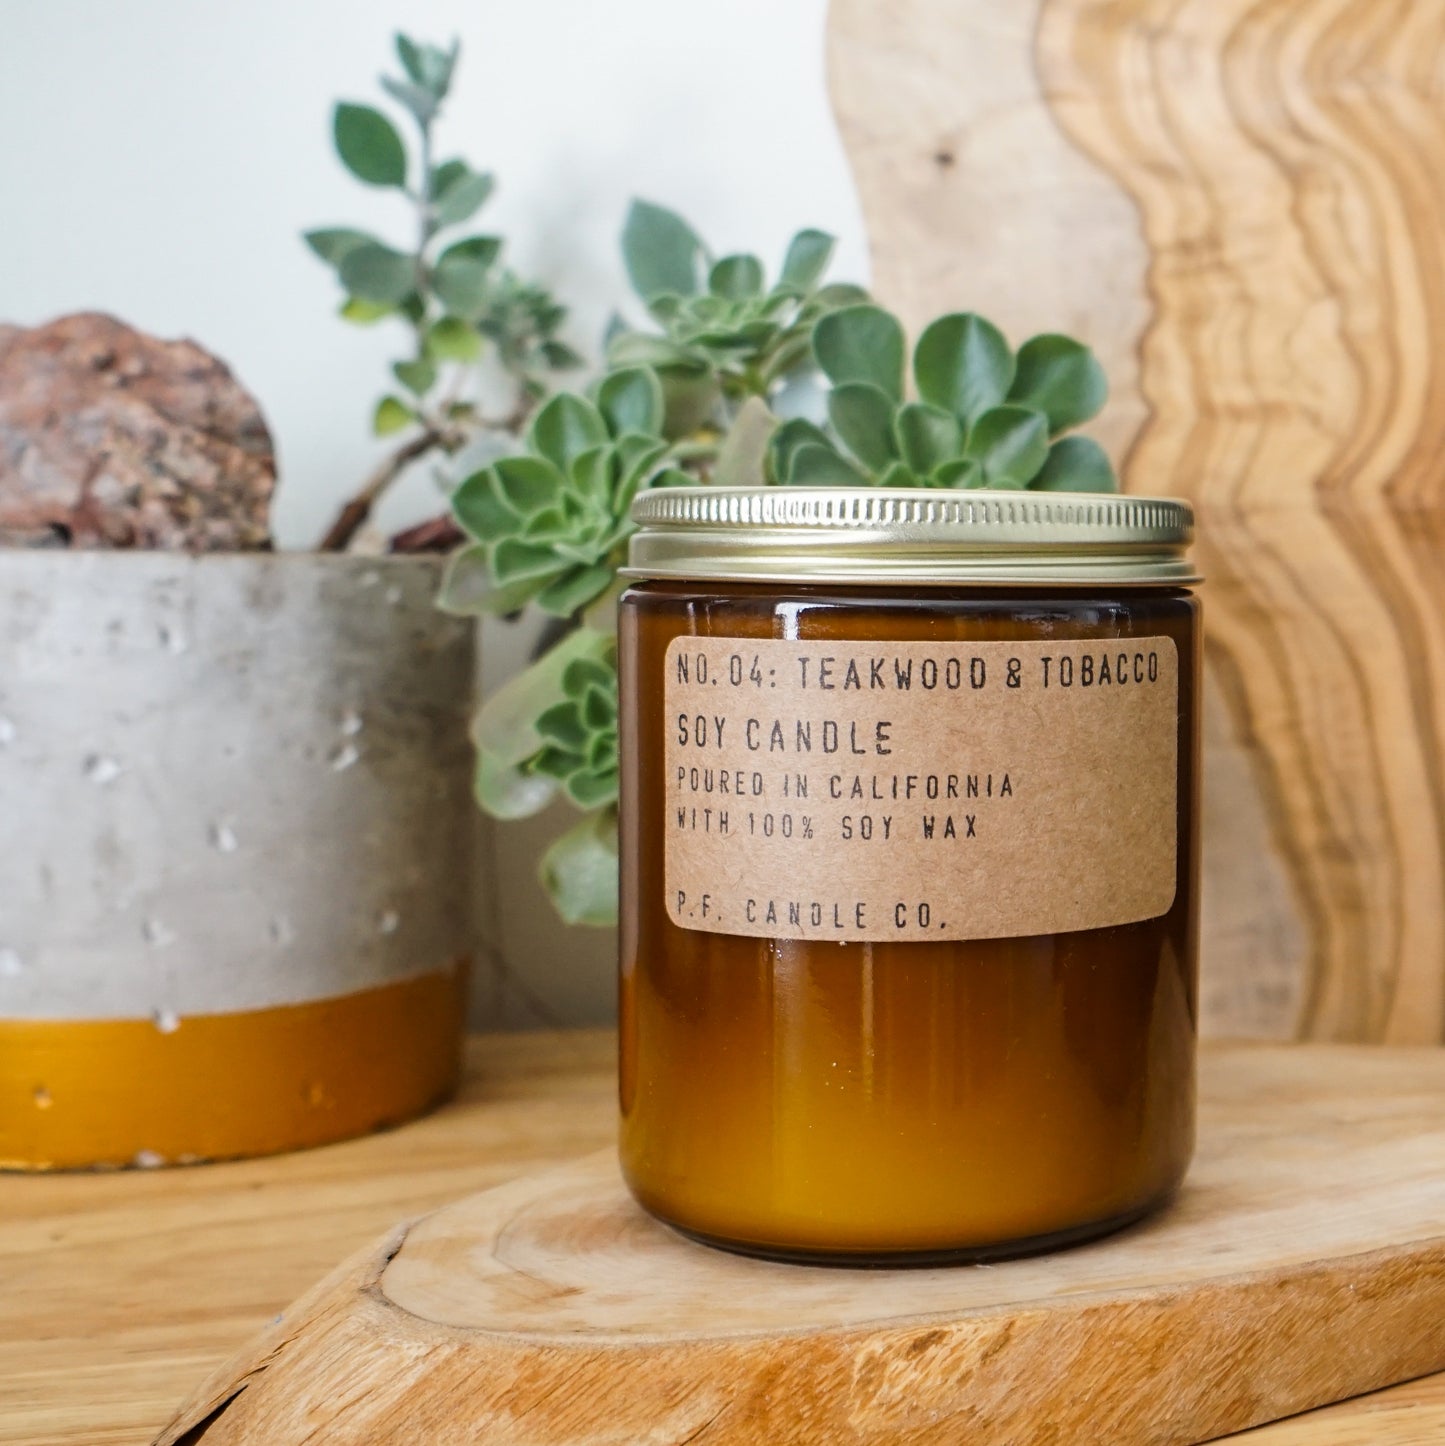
pixel 227 782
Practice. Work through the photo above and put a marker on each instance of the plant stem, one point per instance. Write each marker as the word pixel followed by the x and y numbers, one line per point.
pixel 353 516
pixel 424 203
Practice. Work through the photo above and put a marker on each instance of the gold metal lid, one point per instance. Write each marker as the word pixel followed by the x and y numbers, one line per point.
pixel 923 535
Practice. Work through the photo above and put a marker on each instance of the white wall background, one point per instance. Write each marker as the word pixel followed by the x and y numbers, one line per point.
pixel 161 157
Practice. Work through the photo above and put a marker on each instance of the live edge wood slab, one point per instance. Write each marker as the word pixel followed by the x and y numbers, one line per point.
pixel 1238 204
pixel 1304 1262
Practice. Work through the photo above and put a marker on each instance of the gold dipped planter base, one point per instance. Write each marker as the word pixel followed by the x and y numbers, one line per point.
pixel 106 1093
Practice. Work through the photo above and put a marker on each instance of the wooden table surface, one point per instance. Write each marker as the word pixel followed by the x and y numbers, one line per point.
pixel 119 1292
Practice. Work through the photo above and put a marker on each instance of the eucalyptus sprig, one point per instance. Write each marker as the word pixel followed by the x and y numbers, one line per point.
pixel 982 416
pixel 445 284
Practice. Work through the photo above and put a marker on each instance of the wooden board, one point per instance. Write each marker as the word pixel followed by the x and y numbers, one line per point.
pixel 119 1291
pixel 123 1290
pixel 1241 205
pixel 1304 1261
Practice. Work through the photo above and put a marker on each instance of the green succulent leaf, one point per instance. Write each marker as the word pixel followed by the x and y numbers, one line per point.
pixel 815 466
pixel 672 477
pixel 666 307
pixel 691 396
pixel 561 357
pixel 516 560
pixel 647 475
pixel 529 485
pixel 599 709
pixel 409 53
pixel 1077 464
pixel 1061 378
pixel 565 428
pixel 690 390
pixel 574 590
pixel 636 456
pixel 927 436
pixel 482 510
pixel 963 364
pixel 563 725
pixel 589 789
pixel 482 249
pixel 391 415
pixel 728 345
pixel 452 339
pixel 962 474
pixel 446 173
pixel 1010 444
pixel 364 313
pixel 427 66
pixel 742 457
pixel 862 415
pixel 594 473
pixel 631 400
pixel 636 348
pixel 468 588
pixel 463 198
pixel 835 296
pixel 900 474
pixel 332 243
pixel 506 725
pixel 558 763
pixel 579 871
pixel 809 253
pixel 736 278
pixel 508 792
pixel 376 273
pixel 368 145
pixel 795 433
pixel 587 673
pixel 792 354
pixel 861 344
pixel 418 377
pixel 663 254
pixel 420 103
pixel 462 285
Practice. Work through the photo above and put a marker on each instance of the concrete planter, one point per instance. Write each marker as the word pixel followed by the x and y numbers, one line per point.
pixel 235 852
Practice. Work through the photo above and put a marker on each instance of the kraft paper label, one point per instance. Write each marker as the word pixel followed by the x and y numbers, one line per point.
pixel 919 791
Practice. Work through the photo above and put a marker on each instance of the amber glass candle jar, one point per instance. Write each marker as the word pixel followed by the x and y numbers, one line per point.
pixel 909 856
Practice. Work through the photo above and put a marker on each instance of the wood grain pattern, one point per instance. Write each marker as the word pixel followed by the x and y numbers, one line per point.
pixel 1304 1260
pixel 1408 1415
pixel 123 1290
pixel 1240 203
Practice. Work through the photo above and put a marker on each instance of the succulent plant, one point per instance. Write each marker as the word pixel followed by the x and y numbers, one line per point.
pixel 553 729
pixel 726 335
pixel 694 403
pixel 550 526
pixel 580 733
pixel 983 416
